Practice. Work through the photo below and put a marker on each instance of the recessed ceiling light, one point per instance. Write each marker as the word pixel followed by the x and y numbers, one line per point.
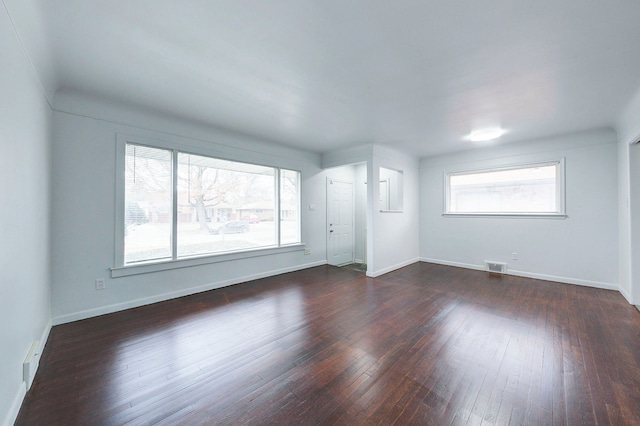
pixel 486 134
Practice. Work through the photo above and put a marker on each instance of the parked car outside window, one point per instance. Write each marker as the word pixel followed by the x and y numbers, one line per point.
pixel 231 227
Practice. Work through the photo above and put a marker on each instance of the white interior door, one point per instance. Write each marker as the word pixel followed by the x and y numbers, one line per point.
pixel 339 222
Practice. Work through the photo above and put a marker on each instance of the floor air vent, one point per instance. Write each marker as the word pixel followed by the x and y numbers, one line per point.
pixel 30 365
pixel 497 267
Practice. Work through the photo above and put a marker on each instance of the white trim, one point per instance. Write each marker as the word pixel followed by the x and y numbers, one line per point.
pixel 21 392
pixel 500 168
pixel 277 214
pixel 119 214
pixel 149 267
pixel 543 277
pixel 455 264
pixel 630 140
pixel 626 295
pixel 44 337
pixel 560 189
pixel 392 268
pixel 122 140
pixel 76 316
pixel 174 204
pixel 509 215
pixel 566 280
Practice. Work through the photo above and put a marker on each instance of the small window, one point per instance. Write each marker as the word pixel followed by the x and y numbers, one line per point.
pixel 533 189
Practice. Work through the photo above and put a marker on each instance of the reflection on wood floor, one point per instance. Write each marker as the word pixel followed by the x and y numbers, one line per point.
pixel 426 344
pixel 360 267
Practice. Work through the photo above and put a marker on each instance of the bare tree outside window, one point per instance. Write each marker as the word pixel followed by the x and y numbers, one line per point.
pixel 217 200
pixel 220 205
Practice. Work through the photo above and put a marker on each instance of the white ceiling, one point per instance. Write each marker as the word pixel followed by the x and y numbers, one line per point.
pixel 319 75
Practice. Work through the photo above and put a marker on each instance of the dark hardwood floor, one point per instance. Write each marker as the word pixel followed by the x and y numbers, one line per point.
pixel 426 344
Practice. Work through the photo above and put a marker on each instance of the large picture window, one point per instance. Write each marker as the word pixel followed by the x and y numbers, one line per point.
pixel 533 189
pixel 180 205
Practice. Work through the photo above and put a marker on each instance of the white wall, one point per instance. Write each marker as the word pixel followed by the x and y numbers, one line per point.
pixel 31 22
pixel 628 128
pixel 84 157
pixel 391 238
pixel 25 129
pixel 581 249
pixel 395 234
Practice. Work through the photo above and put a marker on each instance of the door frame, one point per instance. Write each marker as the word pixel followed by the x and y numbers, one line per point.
pixel 353 212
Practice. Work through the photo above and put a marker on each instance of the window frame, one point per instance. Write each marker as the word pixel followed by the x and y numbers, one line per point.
pixel 560 191
pixel 120 269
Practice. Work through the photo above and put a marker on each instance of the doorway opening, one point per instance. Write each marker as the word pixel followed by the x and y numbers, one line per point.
pixel 346 227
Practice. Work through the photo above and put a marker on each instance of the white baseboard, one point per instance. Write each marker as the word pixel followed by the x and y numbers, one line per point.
pixel 543 277
pixel 21 392
pixel 76 316
pixel 450 263
pixel 626 295
pixel 391 268
pixel 576 281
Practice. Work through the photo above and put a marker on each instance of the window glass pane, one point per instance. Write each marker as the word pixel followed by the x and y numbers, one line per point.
pixel 532 189
pixel 223 205
pixel 147 204
pixel 289 207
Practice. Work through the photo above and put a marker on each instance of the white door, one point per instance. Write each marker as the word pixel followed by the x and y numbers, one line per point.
pixel 339 222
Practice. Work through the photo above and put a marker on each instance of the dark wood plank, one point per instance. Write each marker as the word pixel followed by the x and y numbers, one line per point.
pixel 426 344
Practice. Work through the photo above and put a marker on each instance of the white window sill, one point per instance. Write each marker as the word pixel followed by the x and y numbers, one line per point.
pixel 165 265
pixel 510 215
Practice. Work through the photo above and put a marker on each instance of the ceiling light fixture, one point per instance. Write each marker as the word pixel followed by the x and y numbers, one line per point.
pixel 486 134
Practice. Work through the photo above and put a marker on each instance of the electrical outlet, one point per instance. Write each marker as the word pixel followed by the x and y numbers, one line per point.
pixel 100 284
pixel 514 256
pixel 307 251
